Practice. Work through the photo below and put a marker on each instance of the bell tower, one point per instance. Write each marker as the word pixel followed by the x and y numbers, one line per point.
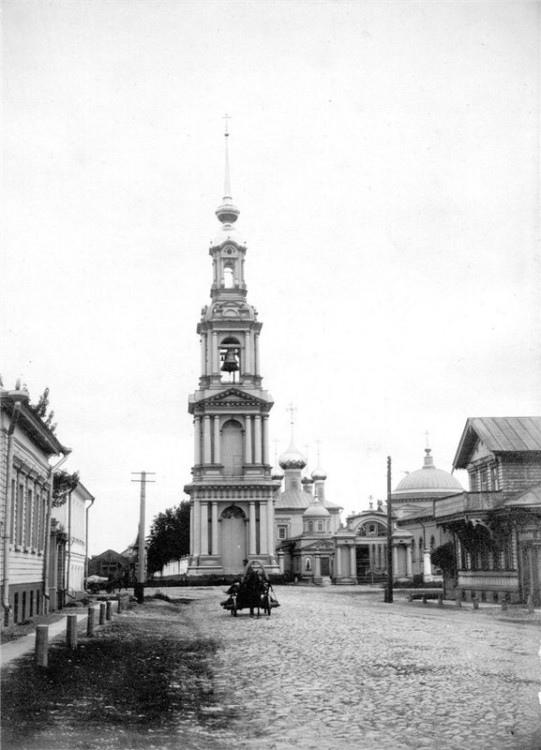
pixel 232 491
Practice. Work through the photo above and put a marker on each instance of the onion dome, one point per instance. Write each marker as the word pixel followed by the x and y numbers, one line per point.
pixel 319 474
pixel 427 482
pixel 306 481
pixel 292 459
pixel 277 473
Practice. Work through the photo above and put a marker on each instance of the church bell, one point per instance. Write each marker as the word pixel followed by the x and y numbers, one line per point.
pixel 230 361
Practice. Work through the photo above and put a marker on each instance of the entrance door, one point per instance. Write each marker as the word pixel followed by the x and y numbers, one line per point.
pixel 325 566
pixel 233 539
pixel 363 563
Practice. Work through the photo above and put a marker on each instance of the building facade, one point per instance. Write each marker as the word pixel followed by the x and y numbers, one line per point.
pixel 232 490
pixel 69 543
pixel 27 445
pixel 496 525
pixel 413 502
pixel 305 520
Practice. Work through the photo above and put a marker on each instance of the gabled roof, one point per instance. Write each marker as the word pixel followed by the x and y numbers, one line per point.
pixel 34 427
pixel 499 435
pixel 236 397
pixel 530 498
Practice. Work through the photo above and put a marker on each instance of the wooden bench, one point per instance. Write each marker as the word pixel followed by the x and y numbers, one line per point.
pixel 426 594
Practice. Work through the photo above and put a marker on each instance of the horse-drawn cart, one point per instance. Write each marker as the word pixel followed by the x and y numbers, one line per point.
pixel 254 592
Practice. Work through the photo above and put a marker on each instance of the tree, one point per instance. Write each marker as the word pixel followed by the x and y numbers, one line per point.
pixel 444 557
pixel 63 484
pixel 169 537
pixel 40 410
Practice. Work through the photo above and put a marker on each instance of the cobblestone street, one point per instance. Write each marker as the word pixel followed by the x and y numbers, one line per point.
pixel 334 668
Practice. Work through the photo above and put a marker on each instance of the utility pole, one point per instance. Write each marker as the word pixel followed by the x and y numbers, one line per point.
pixel 141 573
pixel 389 591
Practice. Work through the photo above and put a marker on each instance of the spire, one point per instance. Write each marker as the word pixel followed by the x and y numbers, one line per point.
pixel 428 460
pixel 292 458
pixel 227 213
pixel 227 178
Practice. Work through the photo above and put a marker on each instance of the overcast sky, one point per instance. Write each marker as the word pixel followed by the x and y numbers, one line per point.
pixel 384 157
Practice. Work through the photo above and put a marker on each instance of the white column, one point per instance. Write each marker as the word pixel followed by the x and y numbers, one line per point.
pixel 215 527
pixel 248 440
pixel 204 528
pixel 395 561
pixel 317 567
pixel 270 526
pixel 427 565
pixel 265 439
pixel 248 352
pixel 206 439
pixel 197 440
pixel 252 527
pixel 353 561
pixel 210 358
pixel 217 453
pixel 203 354
pixel 263 537
pixel 409 565
pixel 257 439
pixel 215 357
pixel 338 561
pixel 256 352
pixel 192 524
pixel 196 529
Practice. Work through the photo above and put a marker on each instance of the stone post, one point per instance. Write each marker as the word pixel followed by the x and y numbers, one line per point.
pixel 90 623
pixel 71 632
pixel 42 645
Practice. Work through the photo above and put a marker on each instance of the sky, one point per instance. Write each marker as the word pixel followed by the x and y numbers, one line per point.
pixel 385 160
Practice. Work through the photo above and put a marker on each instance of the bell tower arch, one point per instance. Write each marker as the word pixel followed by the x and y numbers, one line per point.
pixel 232 490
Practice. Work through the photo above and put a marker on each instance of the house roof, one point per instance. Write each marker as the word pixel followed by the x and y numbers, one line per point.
pixel 499 435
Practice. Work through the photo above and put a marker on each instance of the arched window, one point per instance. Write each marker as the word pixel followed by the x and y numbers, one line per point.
pixel 228 277
pixel 308 564
pixel 230 360
pixel 232 448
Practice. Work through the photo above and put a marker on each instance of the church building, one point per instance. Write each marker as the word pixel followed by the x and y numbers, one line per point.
pixel 232 489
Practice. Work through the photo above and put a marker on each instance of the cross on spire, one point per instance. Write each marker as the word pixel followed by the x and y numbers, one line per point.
pixel 226 117
pixel 291 408
pixel 427 434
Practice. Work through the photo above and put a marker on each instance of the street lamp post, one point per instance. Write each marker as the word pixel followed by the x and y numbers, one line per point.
pixel 141 572
pixel 389 590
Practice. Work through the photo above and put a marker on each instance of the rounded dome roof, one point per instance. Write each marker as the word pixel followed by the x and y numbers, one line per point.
pixel 292 459
pixel 428 481
pixel 228 233
pixel 277 473
pixel 319 474
pixel 316 510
